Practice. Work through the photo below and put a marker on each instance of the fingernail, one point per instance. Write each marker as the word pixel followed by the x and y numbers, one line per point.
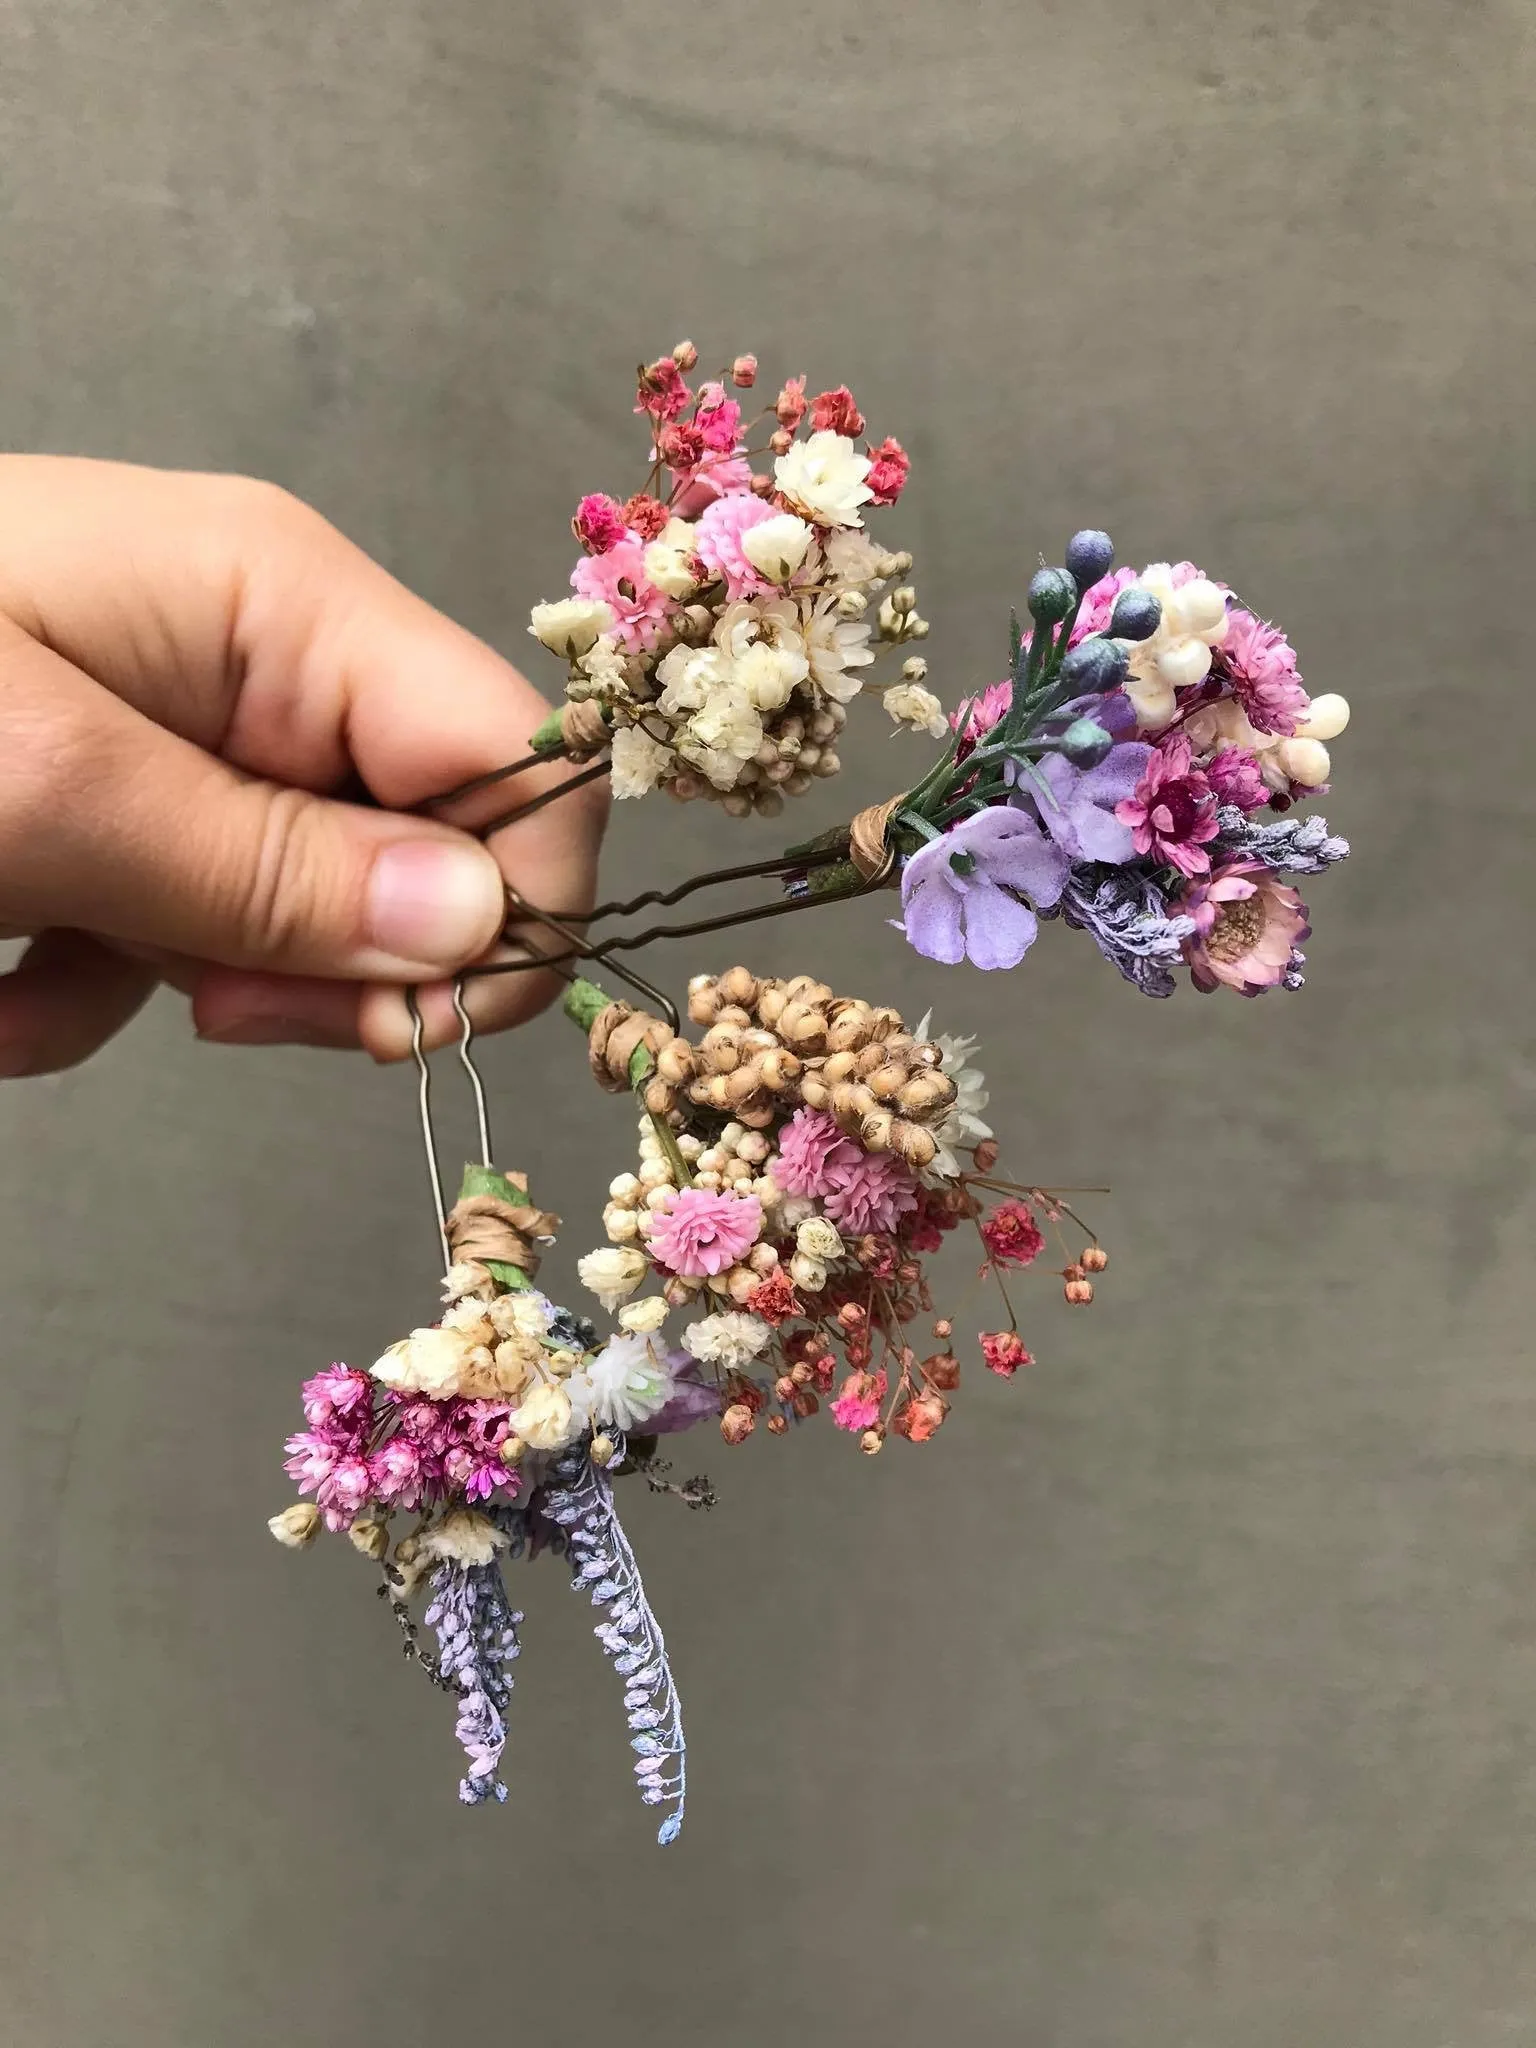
pixel 434 902
pixel 265 1031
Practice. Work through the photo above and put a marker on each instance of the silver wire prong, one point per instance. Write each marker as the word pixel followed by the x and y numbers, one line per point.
pixel 466 1040
pixel 428 1135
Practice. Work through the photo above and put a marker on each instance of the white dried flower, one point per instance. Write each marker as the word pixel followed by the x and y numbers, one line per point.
pixel 910 704
pixel 431 1362
pixel 688 677
pixel 854 561
pixel 639 762
pixel 769 674
pixel 825 477
pixel 962 1127
pixel 722 737
pixel 628 1380
pixel 818 1238
pixel 808 1273
pixel 612 1273
pixel 370 1534
pixel 545 1419
pixel 793 1209
pixel 669 560
pixel 462 1537
pixel 526 1313
pixel 605 669
pixel 777 547
pixel 834 646
pixel 644 1318
pixel 467 1277
pixel 730 1339
pixel 571 625
pixel 296 1527
pixel 470 1317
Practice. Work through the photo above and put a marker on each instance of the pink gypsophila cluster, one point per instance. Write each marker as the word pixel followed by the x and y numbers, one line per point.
pixel 704 1233
pixel 599 523
pixel 617 579
pixel 871 1193
pixel 812 1151
pixel 888 468
pixel 1004 1353
pixel 1012 1236
pixel 717 540
pixel 858 1400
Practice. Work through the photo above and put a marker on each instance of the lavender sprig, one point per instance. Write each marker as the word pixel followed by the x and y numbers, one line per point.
pixel 477 1642
pixel 1291 846
pixel 1126 915
pixel 579 1497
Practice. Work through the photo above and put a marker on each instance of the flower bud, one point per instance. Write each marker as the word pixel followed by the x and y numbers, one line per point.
pixel 1095 664
pixel 903 599
pixel 1078 1292
pixel 1305 761
pixel 1094 1259
pixel 641 1318
pixel 872 1442
pixel 370 1534
pixel 943 1327
pixel 986 1155
pixel 744 372
pixel 1326 718
pixel 296 1527
pixel 1085 743
pixel 851 1316
pixel 777 1425
pixel 685 355
pixel 942 1371
pixel 1090 555
pixel 603 1449
pixel 782 441
pixel 1136 616
pixel 512 1449
pixel 1052 594
pixel 853 604
pixel 809 1273
pixel 737 1423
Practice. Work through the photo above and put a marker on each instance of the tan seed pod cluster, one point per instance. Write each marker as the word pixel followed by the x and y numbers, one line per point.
pixel 770 1044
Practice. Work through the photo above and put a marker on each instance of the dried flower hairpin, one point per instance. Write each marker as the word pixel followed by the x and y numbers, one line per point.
pixel 802 1157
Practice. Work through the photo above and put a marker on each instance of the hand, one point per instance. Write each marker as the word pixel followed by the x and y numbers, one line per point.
pixel 194 672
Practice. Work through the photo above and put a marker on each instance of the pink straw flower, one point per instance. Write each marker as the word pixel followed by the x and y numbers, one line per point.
pixel 617 578
pixel 705 1233
pixel 1173 813
pixel 398 1470
pixel 1259 665
pixel 1248 925
pixel 338 1395
pixel 872 1192
pixel 717 540
pixel 1235 776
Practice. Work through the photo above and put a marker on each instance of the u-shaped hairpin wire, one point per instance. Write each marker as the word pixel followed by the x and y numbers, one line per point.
pixel 424 1103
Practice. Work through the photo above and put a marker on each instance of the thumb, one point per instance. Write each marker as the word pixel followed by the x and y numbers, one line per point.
pixel 111 824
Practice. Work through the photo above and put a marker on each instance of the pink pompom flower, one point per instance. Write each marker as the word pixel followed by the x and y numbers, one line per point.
pixel 888 468
pixel 871 1192
pixel 717 540
pixel 812 1152
pixel 1258 664
pixel 705 1233
pixel 617 578
pixel 599 523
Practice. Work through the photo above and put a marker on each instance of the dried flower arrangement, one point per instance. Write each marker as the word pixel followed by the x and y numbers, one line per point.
pixel 799 1159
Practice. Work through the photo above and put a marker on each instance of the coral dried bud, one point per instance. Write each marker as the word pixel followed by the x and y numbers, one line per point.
pixel 1078 1292
pixel 1094 1259
pixel 986 1155
pixel 922 1417
pixel 777 1425
pixel 737 1423
pixel 744 372
pixel 942 1371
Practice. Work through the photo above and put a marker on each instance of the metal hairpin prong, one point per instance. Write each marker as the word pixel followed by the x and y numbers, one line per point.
pixel 428 1135
pixel 466 1039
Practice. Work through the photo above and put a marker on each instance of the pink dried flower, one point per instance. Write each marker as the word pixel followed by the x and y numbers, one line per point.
pixel 718 420
pixel 705 1233
pixel 835 410
pixel 644 515
pixel 857 1406
pixel 663 392
pixel 717 541
pixel 1004 1353
pixel 888 467
pixel 681 447
pixel 811 1150
pixel 789 409
pixel 311 1460
pixel 873 1191
pixel 1099 602
pixel 744 372
pixel 1173 813
pixel 618 579
pixel 1258 663
pixel 1248 924
pixel 399 1472
pixel 599 523
pixel 338 1395
pixel 343 1495
pixel 1012 1236
pixel 693 489
pixel 977 715
pixel 774 1299
pixel 1235 776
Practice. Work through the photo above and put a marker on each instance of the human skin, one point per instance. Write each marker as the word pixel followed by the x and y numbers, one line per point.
pixel 216 714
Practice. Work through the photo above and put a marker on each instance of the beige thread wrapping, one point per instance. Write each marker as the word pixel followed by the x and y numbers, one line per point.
pixel 483 1227
pixel 584 729
pixel 868 848
pixel 617 1034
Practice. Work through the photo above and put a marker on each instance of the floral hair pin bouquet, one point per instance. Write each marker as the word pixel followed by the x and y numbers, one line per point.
pixel 805 1153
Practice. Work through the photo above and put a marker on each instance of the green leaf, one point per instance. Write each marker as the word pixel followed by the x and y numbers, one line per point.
pixel 485 1180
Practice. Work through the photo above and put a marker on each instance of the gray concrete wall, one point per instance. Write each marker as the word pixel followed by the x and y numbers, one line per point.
pixel 1182 1696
